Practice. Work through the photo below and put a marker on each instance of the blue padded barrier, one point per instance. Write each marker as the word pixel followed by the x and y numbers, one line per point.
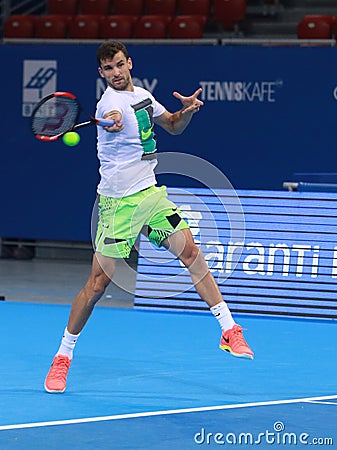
pixel 279 257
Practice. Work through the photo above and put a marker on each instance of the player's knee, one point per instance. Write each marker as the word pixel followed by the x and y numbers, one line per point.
pixel 98 286
pixel 98 290
pixel 190 255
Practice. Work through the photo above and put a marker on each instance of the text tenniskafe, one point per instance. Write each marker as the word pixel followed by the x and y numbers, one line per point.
pixel 240 91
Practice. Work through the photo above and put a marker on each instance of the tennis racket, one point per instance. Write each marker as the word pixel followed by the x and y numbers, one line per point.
pixel 58 113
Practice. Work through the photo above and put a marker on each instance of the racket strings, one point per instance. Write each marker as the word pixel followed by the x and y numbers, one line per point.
pixel 55 116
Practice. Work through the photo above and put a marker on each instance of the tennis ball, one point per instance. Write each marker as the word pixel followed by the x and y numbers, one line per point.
pixel 71 138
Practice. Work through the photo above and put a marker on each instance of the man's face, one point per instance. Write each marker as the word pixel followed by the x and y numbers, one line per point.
pixel 116 72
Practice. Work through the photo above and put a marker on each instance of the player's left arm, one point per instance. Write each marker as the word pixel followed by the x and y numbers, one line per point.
pixel 175 123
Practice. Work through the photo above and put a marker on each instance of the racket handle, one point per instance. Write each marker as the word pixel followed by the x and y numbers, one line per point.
pixel 104 122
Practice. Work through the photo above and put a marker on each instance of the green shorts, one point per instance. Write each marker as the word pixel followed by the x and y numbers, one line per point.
pixel 120 221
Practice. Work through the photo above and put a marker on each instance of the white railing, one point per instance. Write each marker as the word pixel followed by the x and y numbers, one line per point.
pixel 206 41
pixel 280 42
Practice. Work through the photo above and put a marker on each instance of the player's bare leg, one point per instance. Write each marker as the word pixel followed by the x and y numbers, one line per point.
pixel 182 245
pixel 102 271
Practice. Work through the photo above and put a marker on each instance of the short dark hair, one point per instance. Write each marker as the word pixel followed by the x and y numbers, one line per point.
pixel 108 50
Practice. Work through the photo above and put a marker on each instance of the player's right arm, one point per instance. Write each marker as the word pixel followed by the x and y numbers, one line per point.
pixel 117 117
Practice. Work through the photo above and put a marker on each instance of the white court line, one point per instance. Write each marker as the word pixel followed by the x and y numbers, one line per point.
pixel 163 413
pixel 323 402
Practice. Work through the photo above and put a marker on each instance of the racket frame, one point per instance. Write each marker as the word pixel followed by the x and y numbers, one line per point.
pixel 93 120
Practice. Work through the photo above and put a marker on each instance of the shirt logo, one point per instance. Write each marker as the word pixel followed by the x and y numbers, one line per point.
pixel 144 116
pixel 146 134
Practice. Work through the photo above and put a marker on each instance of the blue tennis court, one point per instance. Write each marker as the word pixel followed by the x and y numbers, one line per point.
pixel 157 380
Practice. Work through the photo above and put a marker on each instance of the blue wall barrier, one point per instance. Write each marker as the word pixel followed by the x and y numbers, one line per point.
pixel 278 257
pixel 269 112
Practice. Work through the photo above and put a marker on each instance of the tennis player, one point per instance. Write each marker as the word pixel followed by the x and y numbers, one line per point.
pixel 130 202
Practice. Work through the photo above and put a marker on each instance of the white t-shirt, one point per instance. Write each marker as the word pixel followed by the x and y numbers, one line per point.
pixel 127 158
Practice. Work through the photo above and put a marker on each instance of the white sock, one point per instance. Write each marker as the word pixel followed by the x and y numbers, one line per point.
pixel 223 316
pixel 67 344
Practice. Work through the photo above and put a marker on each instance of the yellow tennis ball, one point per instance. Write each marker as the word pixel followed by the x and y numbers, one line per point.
pixel 71 138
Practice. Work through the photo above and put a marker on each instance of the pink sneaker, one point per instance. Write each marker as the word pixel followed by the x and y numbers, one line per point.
pixel 56 379
pixel 232 341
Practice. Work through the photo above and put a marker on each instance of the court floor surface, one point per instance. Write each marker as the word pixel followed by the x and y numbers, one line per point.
pixel 157 380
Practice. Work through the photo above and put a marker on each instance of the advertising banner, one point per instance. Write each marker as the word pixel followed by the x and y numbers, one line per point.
pixel 277 254
pixel 268 112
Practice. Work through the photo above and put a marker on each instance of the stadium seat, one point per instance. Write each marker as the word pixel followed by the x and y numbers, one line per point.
pixel 317 27
pixel 160 7
pixel 186 27
pixel 85 26
pixel 19 26
pixel 128 7
pixel 95 7
pixel 117 27
pixel 194 7
pixel 69 7
pixel 52 26
pixel 229 12
pixel 151 27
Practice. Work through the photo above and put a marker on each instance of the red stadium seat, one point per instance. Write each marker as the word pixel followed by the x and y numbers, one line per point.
pixel 52 26
pixel 186 27
pixel 19 26
pixel 128 7
pixel 317 27
pixel 194 7
pixel 95 7
pixel 151 27
pixel 69 7
pixel 117 27
pixel 85 26
pixel 229 12
pixel 160 7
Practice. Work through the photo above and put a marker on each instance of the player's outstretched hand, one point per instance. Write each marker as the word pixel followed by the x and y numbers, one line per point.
pixel 190 104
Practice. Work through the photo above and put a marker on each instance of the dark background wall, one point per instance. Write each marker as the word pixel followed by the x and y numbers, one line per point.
pixel 269 112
